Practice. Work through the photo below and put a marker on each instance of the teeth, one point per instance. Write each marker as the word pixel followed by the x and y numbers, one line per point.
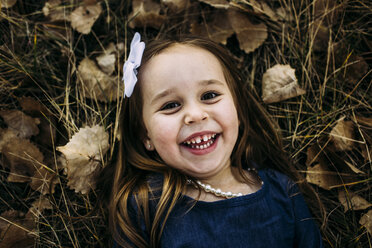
pixel 203 146
pixel 197 140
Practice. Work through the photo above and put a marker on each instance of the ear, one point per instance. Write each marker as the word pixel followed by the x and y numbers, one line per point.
pixel 148 144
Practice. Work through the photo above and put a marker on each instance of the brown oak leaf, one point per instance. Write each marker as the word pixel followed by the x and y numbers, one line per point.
pixel 146 13
pixel 84 17
pixel 22 124
pixel 215 27
pixel 352 201
pixel 96 84
pixel 7 3
pixel 16 229
pixel 280 83
pixel 22 158
pixel 250 35
pixel 342 135
pixel 55 11
pixel 82 157
pixel 366 221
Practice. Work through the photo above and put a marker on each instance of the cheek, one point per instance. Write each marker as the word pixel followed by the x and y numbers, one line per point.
pixel 164 139
pixel 229 116
pixel 163 133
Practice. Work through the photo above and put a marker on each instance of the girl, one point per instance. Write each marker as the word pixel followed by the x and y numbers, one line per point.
pixel 197 157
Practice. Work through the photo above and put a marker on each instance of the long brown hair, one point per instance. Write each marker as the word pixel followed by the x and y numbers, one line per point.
pixel 258 141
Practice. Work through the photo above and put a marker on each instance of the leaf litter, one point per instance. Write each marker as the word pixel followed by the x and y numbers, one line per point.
pixel 338 159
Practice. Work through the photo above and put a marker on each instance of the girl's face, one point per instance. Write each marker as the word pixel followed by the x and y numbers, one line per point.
pixel 188 110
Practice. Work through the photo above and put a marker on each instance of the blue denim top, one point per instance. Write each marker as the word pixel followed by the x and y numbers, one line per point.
pixel 275 216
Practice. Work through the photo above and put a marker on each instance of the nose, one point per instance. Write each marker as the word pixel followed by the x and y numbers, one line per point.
pixel 195 114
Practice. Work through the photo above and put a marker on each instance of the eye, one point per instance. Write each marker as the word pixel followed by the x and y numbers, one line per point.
pixel 209 95
pixel 170 105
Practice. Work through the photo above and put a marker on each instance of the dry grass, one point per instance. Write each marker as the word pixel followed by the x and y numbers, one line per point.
pixel 39 59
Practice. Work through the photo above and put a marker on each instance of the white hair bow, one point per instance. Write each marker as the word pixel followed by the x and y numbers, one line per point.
pixel 132 63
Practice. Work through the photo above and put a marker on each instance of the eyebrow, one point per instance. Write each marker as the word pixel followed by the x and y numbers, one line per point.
pixel 169 91
pixel 211 81
pixel 161 95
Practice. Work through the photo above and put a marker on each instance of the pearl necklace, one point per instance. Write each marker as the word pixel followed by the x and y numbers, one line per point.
pixel 218 192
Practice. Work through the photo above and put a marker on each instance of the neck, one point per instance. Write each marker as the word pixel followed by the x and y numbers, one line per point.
pixel 227 177
pixel 228 180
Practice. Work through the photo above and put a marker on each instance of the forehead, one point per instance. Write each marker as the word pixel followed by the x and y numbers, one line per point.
pixel 181 63
pixel 184 50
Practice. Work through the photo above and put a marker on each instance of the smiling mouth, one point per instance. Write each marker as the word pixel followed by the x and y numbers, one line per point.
pixel 200 142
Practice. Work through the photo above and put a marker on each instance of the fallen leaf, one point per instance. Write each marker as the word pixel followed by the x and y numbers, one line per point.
pixel 6 135
pixel 364 127
pixel 355 68
pixel 366 153
pixel 83 17
pixel 280 83
pixel 35 109
pixel 175 5
pixel 146 13
pixel 112 48
pixel 320 36
pixel 364 121
pixel 342 135
pixel 82 157
pixel 107 63
pixel 322 177
pixel 119 47
pixel 250 35
pixel 327 11
pixel 215 27
pixel 16 230
pixel 47 135
pixel 43 180
pixel 22 158
pixel 24 161
pixel 366 221
pixel 263 8
pixel 23 125
pixel 285 13
pixel 326 169
pixel 352 201
pixel 55 11
pixel 96 84
pixel 326 14
pixel 7 3
pixel 41 203
pixel 38 206
pixel 352 67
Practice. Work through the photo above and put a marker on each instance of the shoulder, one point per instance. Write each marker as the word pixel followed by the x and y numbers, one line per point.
pixel 278 181
pixel 274 176
pixel 149 190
